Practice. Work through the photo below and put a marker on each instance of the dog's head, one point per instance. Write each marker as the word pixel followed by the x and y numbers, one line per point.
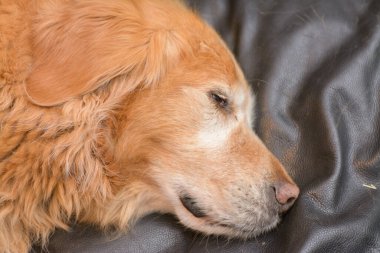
pixel 185 123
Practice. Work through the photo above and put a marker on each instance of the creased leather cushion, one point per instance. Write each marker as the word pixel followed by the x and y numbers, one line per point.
pixel 314 66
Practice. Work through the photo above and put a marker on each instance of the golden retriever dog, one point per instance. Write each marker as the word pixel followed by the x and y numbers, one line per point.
pixel 113 109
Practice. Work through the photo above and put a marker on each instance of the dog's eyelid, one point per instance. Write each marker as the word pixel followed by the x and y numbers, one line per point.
pixel 220 98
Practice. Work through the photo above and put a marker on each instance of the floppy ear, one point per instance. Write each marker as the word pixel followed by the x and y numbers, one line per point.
pixel 78 48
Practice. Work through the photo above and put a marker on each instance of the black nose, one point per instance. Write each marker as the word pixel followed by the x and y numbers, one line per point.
pixel 191 205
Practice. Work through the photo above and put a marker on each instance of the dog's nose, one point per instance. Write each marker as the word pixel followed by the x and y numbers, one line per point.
pixel 286 193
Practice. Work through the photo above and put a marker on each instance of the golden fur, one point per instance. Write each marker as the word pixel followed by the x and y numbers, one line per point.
pixel 100 103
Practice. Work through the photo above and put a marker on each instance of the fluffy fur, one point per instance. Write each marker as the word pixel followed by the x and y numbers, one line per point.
pixel 106 115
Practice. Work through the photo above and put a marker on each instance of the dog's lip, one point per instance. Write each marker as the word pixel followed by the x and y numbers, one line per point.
pixel 192 206
pixel 244 230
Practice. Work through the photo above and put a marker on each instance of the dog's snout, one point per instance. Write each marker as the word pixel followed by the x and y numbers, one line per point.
pixel 286 194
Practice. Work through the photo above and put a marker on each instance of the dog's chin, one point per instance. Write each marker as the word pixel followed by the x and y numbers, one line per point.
pixel 197 219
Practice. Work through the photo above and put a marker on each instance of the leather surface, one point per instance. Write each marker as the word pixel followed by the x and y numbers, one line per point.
pixel 315 68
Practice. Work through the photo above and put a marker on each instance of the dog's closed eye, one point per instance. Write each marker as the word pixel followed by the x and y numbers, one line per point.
pixel 220 100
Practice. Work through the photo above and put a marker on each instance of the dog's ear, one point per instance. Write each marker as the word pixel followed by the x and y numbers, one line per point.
pixel 77 49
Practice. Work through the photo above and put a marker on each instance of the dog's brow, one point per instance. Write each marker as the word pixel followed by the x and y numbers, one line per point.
pixel 240 97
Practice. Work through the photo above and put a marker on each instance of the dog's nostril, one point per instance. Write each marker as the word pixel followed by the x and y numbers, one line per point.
pixel 290 201
pixel 191 205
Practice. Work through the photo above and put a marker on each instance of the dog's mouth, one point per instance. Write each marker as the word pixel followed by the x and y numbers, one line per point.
pixel 218 225
pixel 192 206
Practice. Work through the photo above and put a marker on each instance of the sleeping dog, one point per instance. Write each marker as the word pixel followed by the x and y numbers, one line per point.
pixel 110 110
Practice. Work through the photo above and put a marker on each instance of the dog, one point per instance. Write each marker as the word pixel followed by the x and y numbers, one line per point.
pixel 110 110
